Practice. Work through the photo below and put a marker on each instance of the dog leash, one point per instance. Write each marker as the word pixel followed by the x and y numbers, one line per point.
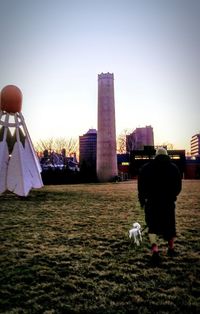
pixel 145 227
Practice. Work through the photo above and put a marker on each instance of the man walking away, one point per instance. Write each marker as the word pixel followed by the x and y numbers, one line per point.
pixel 159 183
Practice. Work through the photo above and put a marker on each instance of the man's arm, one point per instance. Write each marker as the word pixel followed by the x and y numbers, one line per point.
pixel 141 188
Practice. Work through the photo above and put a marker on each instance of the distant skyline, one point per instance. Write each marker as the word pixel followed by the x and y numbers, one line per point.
pixel 54 50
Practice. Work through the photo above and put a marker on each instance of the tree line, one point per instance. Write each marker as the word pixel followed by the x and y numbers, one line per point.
pixel 71 145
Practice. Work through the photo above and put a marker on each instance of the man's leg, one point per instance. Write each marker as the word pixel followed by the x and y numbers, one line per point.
pixel 155 259
pixel 171 244
pixel 153 242
pixel 171 252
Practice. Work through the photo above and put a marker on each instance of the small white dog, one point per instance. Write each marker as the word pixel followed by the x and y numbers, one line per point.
pixel 135 233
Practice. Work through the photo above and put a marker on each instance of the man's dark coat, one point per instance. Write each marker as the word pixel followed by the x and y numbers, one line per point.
pixel 159 183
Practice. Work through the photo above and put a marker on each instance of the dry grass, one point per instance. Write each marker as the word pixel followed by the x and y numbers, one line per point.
pixel 65 249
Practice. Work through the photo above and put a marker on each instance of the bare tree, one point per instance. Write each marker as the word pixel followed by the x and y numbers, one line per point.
pixel 46 144
pixel 121 141
pixel 69 144
pixel 57 144
pixel 72 146
pixel 168 145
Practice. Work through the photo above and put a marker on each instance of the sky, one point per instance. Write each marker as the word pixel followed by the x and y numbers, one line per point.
pixel 53 50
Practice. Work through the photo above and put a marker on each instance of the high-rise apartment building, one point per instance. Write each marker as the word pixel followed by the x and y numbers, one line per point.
pixel 106 133
pixel 88 150
pixel 139 138
pixel 195 145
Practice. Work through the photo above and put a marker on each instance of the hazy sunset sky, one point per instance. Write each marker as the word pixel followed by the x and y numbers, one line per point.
pixel 54 50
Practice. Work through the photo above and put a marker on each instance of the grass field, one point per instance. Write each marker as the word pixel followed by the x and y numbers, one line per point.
pixel 65 249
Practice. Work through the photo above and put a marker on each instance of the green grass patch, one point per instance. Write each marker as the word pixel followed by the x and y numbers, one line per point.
pixel 65 249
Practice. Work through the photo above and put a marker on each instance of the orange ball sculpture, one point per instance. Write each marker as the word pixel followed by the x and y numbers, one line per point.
pixel 11 99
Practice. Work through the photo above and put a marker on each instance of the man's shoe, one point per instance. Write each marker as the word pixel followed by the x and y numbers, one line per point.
pixel 171 252
pixel 155 259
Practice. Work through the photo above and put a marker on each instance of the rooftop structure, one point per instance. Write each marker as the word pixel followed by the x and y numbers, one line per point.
pixel 140 138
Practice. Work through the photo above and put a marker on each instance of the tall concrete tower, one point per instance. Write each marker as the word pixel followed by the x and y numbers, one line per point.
pixel 106 134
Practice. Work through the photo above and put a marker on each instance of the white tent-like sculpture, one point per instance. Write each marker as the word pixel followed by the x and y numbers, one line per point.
pixel 20 169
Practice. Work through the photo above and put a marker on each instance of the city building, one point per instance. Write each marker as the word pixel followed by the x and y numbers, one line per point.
pixel 123 162
pixel 106 133
pixel 140 138
pixel 139 157
pixel 88 151
pixel 192 169
pixel 195 145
